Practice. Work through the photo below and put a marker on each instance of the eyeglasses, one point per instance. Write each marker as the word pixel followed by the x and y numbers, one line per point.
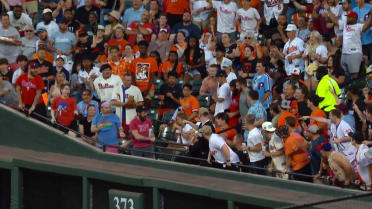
pixel 29 31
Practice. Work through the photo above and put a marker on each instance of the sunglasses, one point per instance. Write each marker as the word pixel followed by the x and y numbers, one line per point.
pixel 29 31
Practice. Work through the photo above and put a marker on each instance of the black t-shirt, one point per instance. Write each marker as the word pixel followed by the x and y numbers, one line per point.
pixel 46 69
pixel 168 102
pixel 303 110
pixel 87 131
pixel 82 15
pixel 111 3
pixel 203 143
pixel 8 76
pixel 248 66
pixel 73 26
pixel 85 48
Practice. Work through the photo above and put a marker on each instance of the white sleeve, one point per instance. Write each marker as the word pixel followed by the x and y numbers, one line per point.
pixel 257 139
pixel 301 45
pixel 346 129
pixel 256 14
pixel 219 142
pixel 360 27
pixel 322 51
pixel 216 4
pixel 224 92
pixel 139 96
pixel 278 144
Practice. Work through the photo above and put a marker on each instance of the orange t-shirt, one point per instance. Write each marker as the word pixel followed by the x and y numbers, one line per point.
pixel 242 47
pixel 281 120
pixel 142 69
pixel 299 157
pixel 176 7
pixel 175 46
pixel 121 44
pixel 167 66
pixel 48 57
pixel 190 105
pixel 254 3
pixel 319 113
pixel 230 133
pixel 120 69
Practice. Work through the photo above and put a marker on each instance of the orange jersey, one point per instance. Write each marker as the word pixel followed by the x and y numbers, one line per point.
pixel 281 120
pixel 167 66
pixel 299 157
pixel 121 44
pixel 48 57
pixel 120 68
pixel 190 105
pixel 229 134
pixel 319 113
pixel 176 7
pixel 142 69
pixel 242 48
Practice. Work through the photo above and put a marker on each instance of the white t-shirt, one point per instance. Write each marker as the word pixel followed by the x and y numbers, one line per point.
pixel 231 77
pixel 248 19
pixel 186 129
pixel 338 12
pixel 197 4
pixel 276 144
pixel 294 47
pixel 346 148
pixel 223 92
pixel 351 42
pixel 105 87
pixel 130 113
pixel 272 9
pixel 320 50
pixel 255 137
pixel 215 144
pixel 84 74
pixel 362 163
pixel 225 16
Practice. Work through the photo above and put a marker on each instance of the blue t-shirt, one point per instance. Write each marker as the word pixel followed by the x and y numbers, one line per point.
pixel 130 15
pixel 82 107
pixel 63 41
pixel 190 30
pixel 263 84
pixel 109 133
pixel 363 15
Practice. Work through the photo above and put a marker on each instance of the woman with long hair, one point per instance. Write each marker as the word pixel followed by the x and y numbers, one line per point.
pixel 194 60
pixel 55 90
pixel 316 52
pixel 181 44
pixel 335 70
pixel 172 65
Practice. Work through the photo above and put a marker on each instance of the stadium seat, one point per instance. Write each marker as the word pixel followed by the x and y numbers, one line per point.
pixel 155 102
pixel 157 83
pixel 196 85
pixel 153 115
pixel 204 101
pixel 180 83
pixel 167 116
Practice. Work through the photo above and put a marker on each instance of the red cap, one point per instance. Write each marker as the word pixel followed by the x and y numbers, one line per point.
pixel 352 14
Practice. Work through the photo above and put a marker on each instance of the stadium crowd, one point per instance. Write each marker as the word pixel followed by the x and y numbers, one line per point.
pixel 280 86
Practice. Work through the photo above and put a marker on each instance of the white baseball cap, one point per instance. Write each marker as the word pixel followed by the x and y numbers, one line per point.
pixel 291 27
pixel 47 10
pixel 268 126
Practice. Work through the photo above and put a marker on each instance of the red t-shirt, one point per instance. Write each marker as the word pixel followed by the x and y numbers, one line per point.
pixel 65 110
pixel 133 27
pixel 143 130
pixel 234 106
pixel 29 86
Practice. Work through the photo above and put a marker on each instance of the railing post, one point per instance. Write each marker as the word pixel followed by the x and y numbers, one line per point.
pixel 86 193
pixel 230 204
pixel 16 199
pixel 155 198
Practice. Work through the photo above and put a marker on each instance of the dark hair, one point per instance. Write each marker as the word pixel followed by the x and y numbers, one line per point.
pixel 127 74
pixel 220 48
pixel 357 137
pixel 182 115
pixel 163 14
pixel 17 6
pixel 63 86
pixel 4 15
pixel 253 94
pixel 104 67
pixel 290 121
pixel 304 91
pixel 172 73
pixel 250 47
pixel 369 109
pixel 215 66
pixel 183 33
pixel 336 113
pixel 3 61
pixel 114 47
pixel 175 64
pixel 320 72
pixel 243 82
pixel 249 119
pixel 187 85
pixel 263 63
pixel 157 58
pixel 222 116
pixel 143 43
pixel 314 98
pixel 87 90
pixel 74 66
pixel 21 57
pixel 197 52
pixel 275 107
pixel 69 10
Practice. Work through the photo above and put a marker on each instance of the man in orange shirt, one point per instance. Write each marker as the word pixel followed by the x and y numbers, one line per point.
pixel 175 10
pixel 143 70
pixel 119 67
pixel 297 156
pixel 284 109
pixel 189 103
pixel 312 103
pixel 222 122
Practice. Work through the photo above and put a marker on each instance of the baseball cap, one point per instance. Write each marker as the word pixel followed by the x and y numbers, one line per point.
pixel 100 27
pixel 61 57
pixel 346 1
pixel 47 10
pixel 141 109
pixel 203 111
pixel 291 27
pixel 205 130
pixel 221 73
pixel 33 65
pixel 352 14
pixel 368 154
pixel 115 14
pixel 163 30
pixel 41 29
pixel 285 104
pixel 268 126
pixel 342 107
pixel 312 129
pixel 226 63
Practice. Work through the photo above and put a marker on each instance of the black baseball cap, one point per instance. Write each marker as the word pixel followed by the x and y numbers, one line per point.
pixel 141 109
pixel 221 73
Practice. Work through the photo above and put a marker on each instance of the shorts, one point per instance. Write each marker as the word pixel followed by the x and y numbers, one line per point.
pixel 351 62
pixel 65 129
pixel 192 73
pixel 113 148
pixel 31 7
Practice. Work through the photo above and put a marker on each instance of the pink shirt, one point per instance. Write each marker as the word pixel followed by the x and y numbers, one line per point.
pixel 143 130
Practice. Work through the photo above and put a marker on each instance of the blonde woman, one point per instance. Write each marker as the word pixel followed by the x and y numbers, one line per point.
pixel 55 90
pixel 316 51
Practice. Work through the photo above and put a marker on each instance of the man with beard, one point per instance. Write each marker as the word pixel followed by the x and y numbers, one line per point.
pixel 72 25
pixel 106 83
pixel 170 94
pixel 113 18
pixel 18 19
pixel 29 87
pixel 143 135
pixel 187 26
pixel 48 23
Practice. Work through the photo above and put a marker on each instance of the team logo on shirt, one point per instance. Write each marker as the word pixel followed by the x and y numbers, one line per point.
pixel 62 107
pixel 142 71
pixel 213 152
pixel 260 85
pixel 28 85
pixel 106 125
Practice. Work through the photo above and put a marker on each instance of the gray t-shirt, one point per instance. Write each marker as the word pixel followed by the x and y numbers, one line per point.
pixel 63 41
pixel 28 47
pixel 9 51
pixel 11 97
pixel 243 105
